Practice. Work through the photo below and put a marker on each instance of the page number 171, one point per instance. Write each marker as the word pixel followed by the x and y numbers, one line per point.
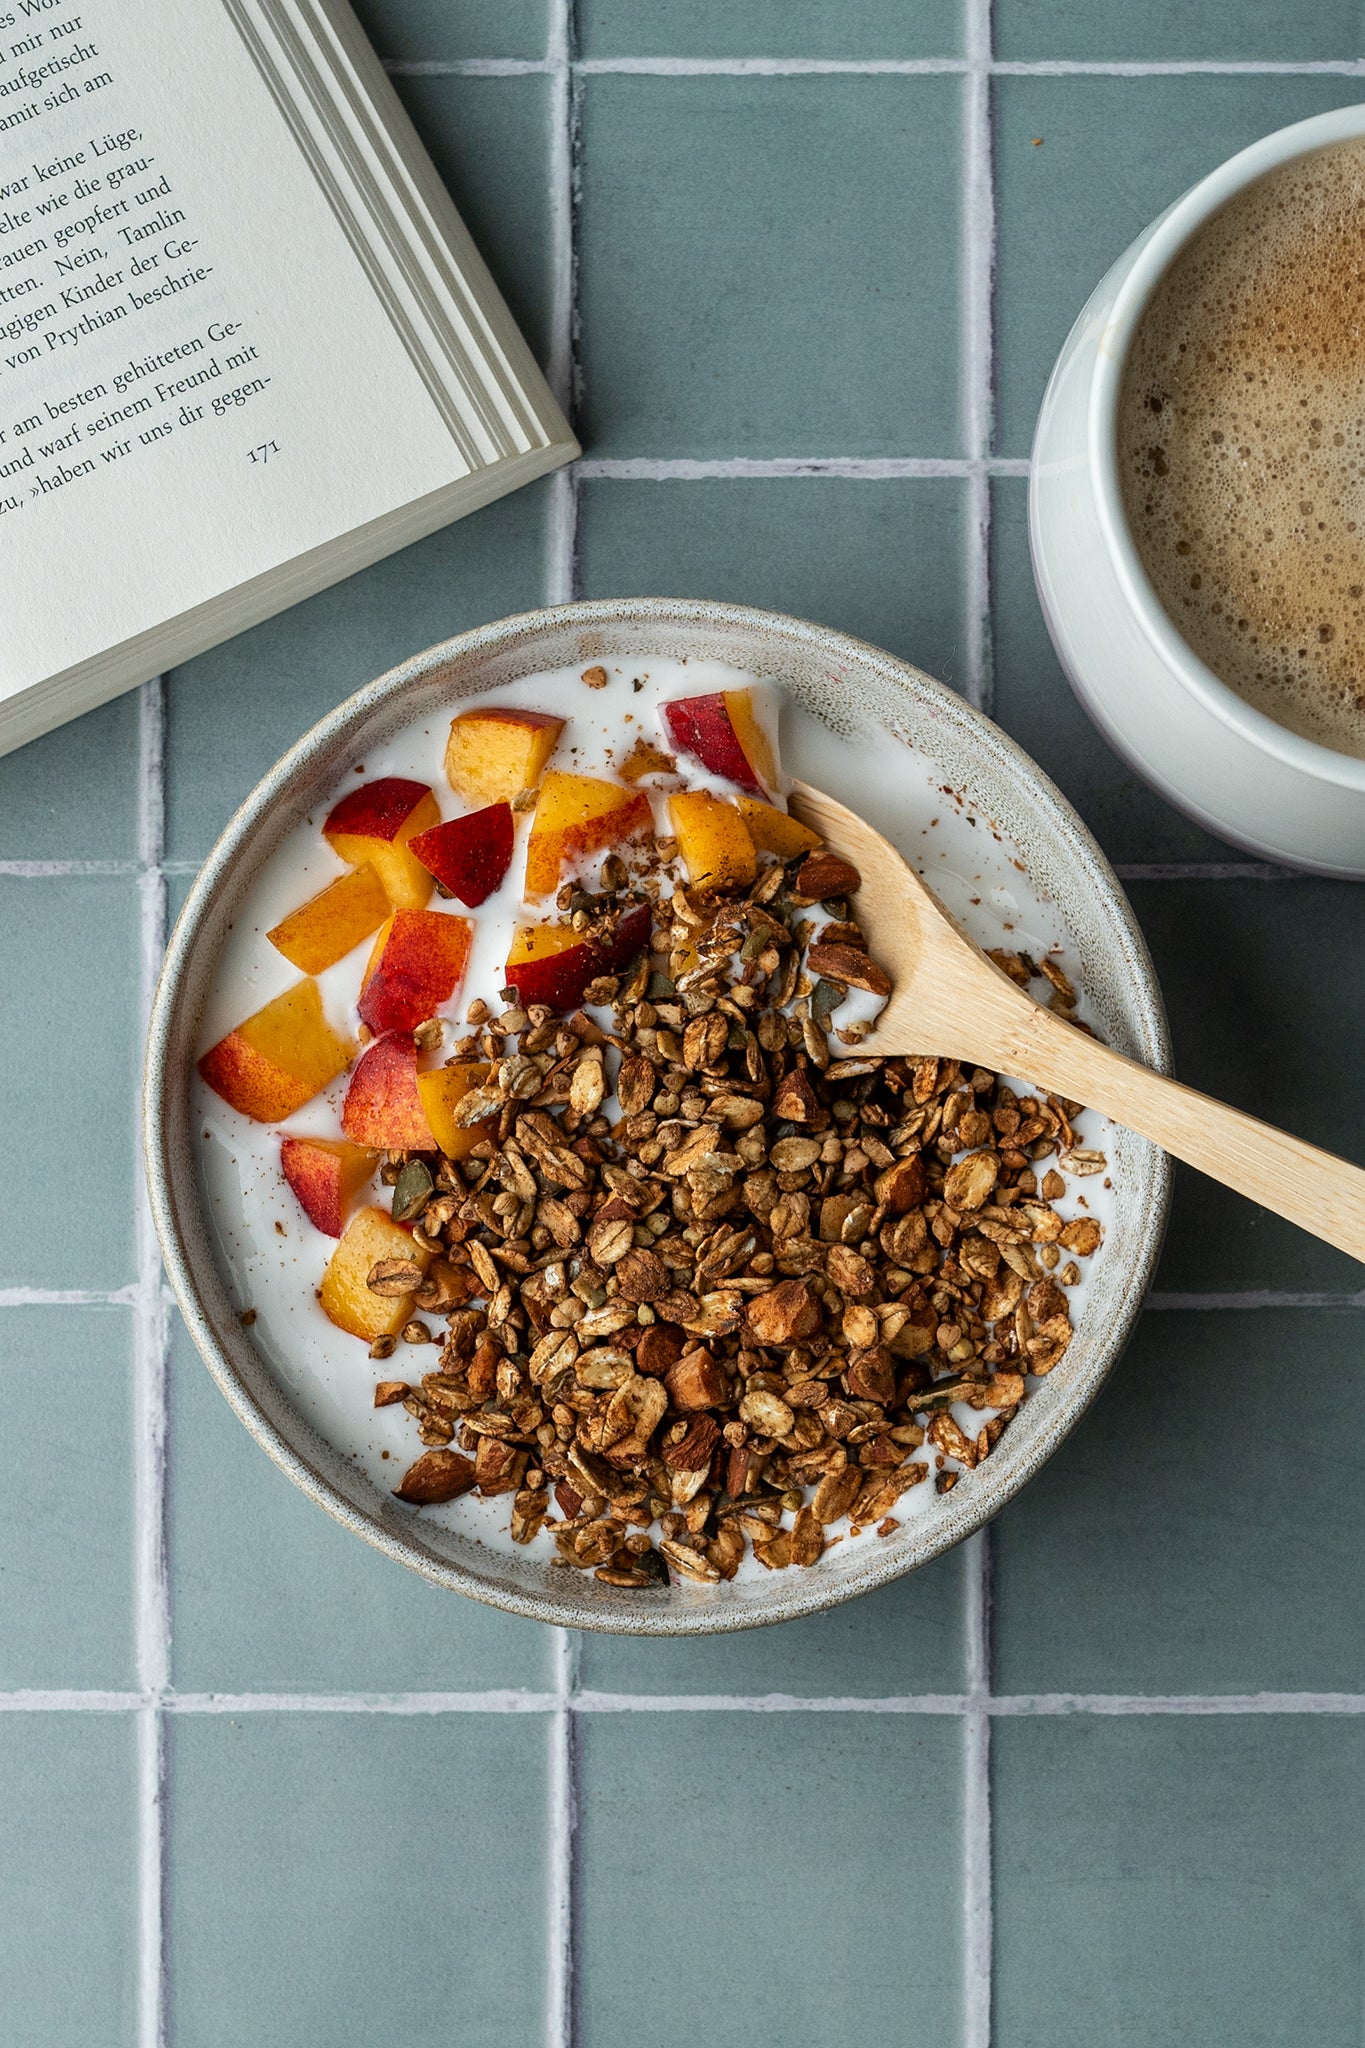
pixel 264 451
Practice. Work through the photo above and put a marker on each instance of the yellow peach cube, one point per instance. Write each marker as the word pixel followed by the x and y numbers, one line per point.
pixel 322 931
pixel 346 1296
pixel 713 841
pixel 280 1058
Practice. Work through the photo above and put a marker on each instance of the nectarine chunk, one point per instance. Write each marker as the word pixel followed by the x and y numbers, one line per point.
pixel 374 823
pixel 721 731
pixel 552 963
pixel 579 815
pixel 495 751
pixel 371 1235
pixel 415 965
pixel 774 831
pixel 442 1089
pixel 469 856
pixel 382 1106
pixel 279 1058
pixel 713 841
pixel 326 1174
pixel 323 930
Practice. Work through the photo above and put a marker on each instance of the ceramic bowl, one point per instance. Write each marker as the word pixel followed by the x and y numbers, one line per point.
pixel 848 686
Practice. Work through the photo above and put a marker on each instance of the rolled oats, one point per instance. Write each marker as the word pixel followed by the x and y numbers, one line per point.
pixel 761 1300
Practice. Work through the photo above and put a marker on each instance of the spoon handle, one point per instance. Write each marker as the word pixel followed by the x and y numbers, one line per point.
pixel 1315 1189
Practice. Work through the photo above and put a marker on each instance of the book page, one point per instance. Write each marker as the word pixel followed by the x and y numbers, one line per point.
pixel 197 382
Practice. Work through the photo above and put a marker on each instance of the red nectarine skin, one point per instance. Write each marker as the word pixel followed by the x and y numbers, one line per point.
pixel 469 855
pixel 415 966
pixel 550 963
pixel 702 727
pixel 325 1174
pixel 377 810
pixel 382 1106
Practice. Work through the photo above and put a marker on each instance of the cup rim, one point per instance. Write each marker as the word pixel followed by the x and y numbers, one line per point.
pixel 1164 241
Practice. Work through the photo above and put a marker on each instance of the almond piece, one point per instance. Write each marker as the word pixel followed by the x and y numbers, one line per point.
pixel 697 1381
pixel 437 1476
pixel 785 1314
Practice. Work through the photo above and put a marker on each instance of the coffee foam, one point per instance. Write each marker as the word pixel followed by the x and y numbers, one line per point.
pixel 1241 445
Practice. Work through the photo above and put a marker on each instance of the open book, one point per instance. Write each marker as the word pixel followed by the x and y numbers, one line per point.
pixel 246 345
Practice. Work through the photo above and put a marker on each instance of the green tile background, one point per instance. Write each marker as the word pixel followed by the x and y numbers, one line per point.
pixel 1169 1880
pixel 717 1844
pixel 770 268
pixel 882 559
pixel 68 1901
pixel 66 1408
pixel 337 1879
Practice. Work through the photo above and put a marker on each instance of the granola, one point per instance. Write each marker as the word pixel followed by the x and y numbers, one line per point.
pixel 753 1297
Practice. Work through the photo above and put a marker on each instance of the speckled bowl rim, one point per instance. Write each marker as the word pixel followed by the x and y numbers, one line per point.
pixel 216 1330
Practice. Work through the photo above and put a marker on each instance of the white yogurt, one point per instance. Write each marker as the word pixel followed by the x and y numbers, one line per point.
pixel 274 1257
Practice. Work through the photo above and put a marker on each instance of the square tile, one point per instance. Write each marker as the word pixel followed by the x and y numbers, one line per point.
pixel 348 1879
pixel 1037 706
pixel 271 1595
pixel 904 1638
pixel 793 1873
pixel 1264 1006
pixel 69 1043
pixel 490 140
pixel 1114 153
pixel 445 31
pixel 72 795
pixel 882 560
pixel 234 711
pixel 1107 29
pixel 769 28
pixel 769 266
pixel 1187 1538
pixel 1178 1882
pixel 66 1602
pixel 68 1904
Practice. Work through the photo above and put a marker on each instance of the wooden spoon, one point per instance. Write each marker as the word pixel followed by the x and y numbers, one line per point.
pixel 948 999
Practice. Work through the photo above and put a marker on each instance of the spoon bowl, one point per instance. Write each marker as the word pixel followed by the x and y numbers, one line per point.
pixel 950 999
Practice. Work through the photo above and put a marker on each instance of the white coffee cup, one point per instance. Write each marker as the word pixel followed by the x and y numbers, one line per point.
pixel 1193 738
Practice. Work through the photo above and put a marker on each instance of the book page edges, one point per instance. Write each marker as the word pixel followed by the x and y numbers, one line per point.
pixel 366 156
pixel 30 713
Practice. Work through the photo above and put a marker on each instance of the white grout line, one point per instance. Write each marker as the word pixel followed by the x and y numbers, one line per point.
pixel 978 364
pixel 47 870
pixel 1209 1705
pixel 947 1705
pixel 875 468
pixel 880 67
pixel 764 1703
pixel 977 1895
pixel 560 2028
pixel 150 1337
pixel 561 568
pixel 1253 1298
pixel 68 1297
pixel 509 1700
pixel 32 1701
pixel 1178 67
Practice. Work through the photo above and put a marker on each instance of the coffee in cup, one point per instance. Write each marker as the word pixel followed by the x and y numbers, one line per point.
pixel 1241 444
